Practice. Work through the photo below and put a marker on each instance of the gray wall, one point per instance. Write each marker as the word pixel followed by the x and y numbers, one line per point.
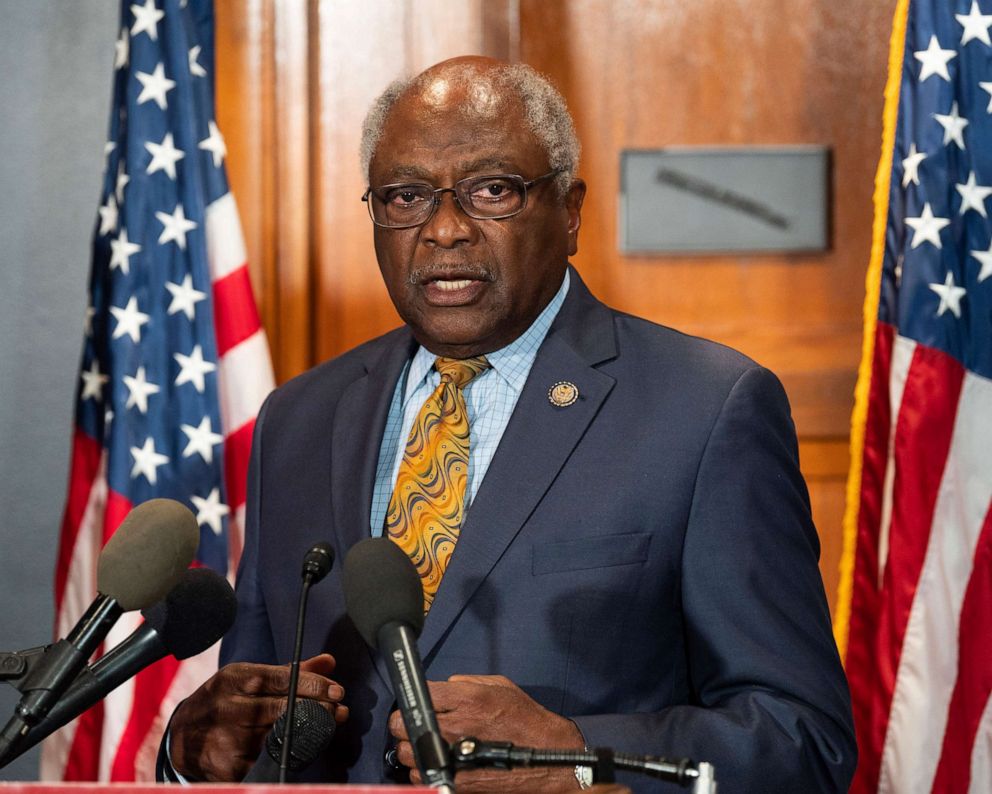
pixel 56 63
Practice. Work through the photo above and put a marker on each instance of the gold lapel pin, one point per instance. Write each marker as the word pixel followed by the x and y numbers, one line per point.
pixel 563 394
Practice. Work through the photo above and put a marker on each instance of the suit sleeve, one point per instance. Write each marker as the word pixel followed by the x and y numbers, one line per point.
pixel 769 705
pixel 250 640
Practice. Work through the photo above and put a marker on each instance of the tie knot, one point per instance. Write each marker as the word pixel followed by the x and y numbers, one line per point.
pixel 460 371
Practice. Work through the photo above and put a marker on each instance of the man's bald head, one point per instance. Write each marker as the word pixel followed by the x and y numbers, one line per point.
pixel 481 88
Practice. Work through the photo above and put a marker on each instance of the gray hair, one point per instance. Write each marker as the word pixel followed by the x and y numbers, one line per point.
pixel 544 110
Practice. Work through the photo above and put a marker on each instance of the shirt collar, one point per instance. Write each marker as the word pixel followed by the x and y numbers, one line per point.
pixel 512 363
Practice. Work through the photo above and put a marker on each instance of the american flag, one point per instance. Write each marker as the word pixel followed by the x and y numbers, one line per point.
pixel 915 609
pixel 175 363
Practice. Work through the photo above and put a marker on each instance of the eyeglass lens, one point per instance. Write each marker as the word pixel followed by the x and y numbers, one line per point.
pixel 480 197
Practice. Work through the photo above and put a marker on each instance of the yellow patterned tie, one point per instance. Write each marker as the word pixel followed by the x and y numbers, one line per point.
pixel 428 503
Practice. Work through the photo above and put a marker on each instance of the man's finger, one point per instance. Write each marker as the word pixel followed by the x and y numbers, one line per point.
pixel 320 688
pixel 396 726
pixel 404 754
pixel 322 664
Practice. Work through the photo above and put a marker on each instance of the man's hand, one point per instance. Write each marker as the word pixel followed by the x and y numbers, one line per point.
pixel 493 708
pixel 217 733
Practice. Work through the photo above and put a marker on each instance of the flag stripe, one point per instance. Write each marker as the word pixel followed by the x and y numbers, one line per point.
pixel 237 453
pixel 150 686
pixel 981 756
pixel 83 762
pixel 902 359
pixel 118 704
pixel 235 316
pixel 246 379
pixel 85 466
pixel 225 242
pixel 863 621
pixel 974 674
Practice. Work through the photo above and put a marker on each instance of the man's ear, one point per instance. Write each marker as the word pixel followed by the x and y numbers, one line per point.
pixel 573 203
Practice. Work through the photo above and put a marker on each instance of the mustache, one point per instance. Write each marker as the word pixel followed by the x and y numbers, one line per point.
pixel 482 271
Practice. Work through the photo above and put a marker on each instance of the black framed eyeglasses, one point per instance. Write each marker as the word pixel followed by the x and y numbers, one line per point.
pixel 407 204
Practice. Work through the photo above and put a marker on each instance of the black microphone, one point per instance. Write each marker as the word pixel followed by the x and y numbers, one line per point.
pixel 316 564
pixel 313 728
pixel 142 561
pixel 385 599
pixel 197 613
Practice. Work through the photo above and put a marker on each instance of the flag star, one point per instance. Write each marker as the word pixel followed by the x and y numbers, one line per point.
pixel 215 145
pixel 988 88
pixel 953 126
pixel 926 228
pixel 121 251
pixel 192 368
pixel 93 381
pixel 165 155
pixel 121 50
pixel 108 215
pixel 175 226
pixel 88 321
pixel 211 510
pixel 202 440
pixel 129 320
pixel 147 461
pixel 950 296
pixel 154 86
pixel 195 68
pixel 911 166
pixel 146 19
pixel 139 389
pixel 985 258
pixel 108 147
pixel 934 60
pixel 184 297
pixel 976 25
pixel 973 196
pixel 122 180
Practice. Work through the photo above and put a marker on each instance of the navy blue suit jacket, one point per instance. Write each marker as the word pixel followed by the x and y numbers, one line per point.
pixel 642 561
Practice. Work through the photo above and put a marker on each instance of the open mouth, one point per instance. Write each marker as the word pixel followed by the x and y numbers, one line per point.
pixel 457 290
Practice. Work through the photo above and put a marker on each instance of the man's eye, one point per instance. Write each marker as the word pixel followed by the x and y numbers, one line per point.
pixel 404 196
pixel 491 190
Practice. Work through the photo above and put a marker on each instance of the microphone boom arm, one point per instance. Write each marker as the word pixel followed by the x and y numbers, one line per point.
pixel 470 753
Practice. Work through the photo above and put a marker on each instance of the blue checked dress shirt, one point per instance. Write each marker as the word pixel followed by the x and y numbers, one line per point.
pixel 490 398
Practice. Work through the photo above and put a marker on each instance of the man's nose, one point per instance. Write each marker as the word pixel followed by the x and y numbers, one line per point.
pixel 449 226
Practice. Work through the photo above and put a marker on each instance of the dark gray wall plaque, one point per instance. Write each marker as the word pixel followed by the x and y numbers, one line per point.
pixel 694 199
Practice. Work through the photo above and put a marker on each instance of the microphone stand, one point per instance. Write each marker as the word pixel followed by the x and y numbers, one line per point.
pixel 316 564
pixel 470 753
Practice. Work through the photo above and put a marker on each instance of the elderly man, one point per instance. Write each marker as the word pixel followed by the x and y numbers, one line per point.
pixel 616 545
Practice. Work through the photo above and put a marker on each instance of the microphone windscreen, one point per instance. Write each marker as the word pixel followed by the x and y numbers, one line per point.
pixel 195 614
pixel 313 729
pixel 318 561
pixel 381 586
pixel 148 554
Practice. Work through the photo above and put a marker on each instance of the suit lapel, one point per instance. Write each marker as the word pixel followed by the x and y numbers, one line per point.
pixel 537 442
pixel 359 422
